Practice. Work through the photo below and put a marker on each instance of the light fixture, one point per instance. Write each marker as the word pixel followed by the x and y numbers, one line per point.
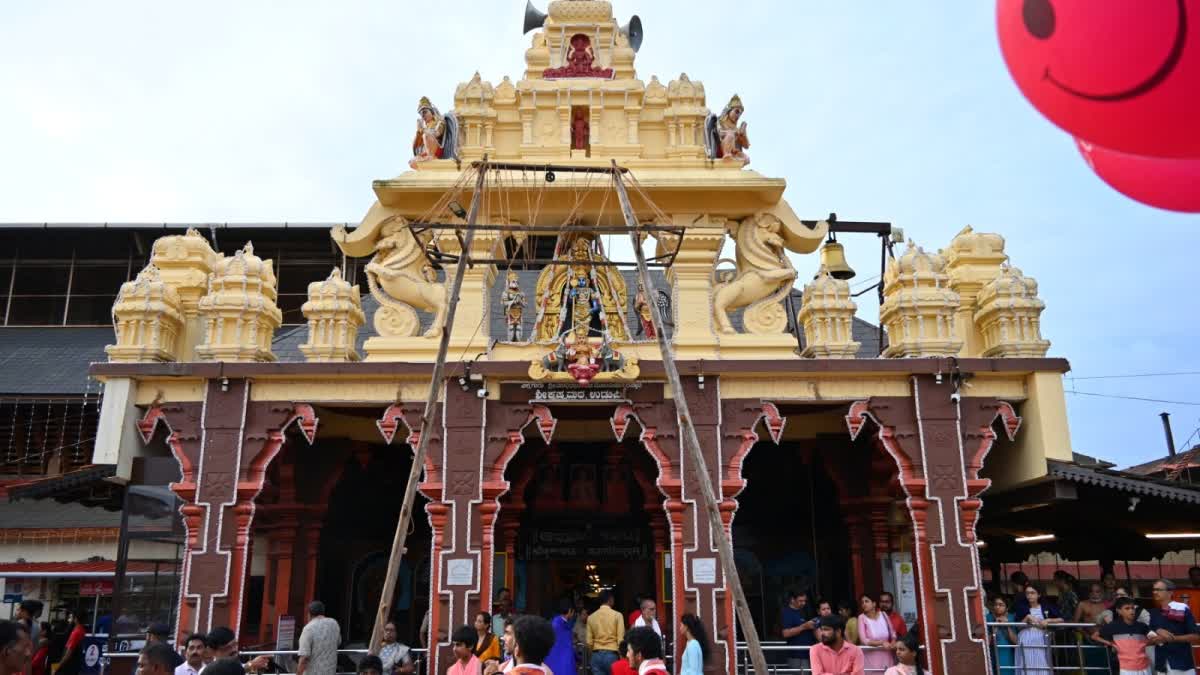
pixel 1035 538
pixel 979 543
pixel 1173 535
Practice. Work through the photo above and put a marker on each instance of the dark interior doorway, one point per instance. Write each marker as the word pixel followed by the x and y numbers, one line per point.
pixel 357 536
pixel 584 526
pixel 789 533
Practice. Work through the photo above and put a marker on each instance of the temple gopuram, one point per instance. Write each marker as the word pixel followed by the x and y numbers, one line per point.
pixel 845 458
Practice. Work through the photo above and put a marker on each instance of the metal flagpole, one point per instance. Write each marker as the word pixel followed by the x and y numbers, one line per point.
pixel 435 384
pixel 691 444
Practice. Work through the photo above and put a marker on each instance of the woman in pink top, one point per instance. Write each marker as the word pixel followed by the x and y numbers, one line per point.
pixel 463 642
pixel 875 630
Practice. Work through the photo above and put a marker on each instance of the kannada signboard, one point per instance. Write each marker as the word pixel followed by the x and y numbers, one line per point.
pixel 597 393
pixel 586 543
pixel 561 392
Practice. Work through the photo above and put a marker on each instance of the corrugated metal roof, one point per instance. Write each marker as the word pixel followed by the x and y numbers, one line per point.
pixel 1125 482
pixel 50 514
pixel 55 485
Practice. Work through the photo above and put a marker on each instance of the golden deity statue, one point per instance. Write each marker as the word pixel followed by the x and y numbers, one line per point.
pixel 597 290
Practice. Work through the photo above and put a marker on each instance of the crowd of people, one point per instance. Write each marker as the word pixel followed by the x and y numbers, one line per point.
pixel 579 639
pixel 55 646
pixel 26 648
pixel 828 637
pixel 1110 627
pixel 1108 631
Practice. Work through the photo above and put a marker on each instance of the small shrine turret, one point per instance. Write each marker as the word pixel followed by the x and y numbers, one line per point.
pixel 919 306
pixel 148 319
pixel 827 316
pixel 1009 316
pixel 334 313
pixel 239 313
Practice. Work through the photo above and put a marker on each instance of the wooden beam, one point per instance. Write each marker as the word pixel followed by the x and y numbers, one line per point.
pixel 691 445
pixel 425 430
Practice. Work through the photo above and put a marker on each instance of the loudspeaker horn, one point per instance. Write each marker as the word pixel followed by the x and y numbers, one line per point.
pixel 633 32
pixel 533 17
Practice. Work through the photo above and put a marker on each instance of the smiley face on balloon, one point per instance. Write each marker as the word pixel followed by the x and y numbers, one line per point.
pixel 1123 74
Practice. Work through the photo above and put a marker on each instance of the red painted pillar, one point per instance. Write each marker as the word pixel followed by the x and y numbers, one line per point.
pixel 224 445
pixel 854 532
pixel 939 440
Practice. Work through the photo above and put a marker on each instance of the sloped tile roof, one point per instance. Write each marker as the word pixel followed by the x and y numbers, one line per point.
pixel 47 360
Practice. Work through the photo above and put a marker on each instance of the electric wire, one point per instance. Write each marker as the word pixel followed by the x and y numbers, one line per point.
pixel 1134 375
pixel 1132 398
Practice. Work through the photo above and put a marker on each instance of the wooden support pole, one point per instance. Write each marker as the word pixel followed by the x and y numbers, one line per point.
pixel 435 385
pixel 691 444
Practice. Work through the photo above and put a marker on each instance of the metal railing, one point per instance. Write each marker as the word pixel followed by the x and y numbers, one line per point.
pixel 1053 648
pixel 795 659
pixel 1061 649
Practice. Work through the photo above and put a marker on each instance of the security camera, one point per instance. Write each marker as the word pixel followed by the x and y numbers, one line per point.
pixel 956 397
pixel 482 392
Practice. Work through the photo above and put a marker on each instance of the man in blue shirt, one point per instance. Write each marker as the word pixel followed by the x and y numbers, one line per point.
pixel 1174 632
pixel 798 628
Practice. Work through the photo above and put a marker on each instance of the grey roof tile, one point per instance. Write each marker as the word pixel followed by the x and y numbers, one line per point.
pixel 47 360
pixel 48 513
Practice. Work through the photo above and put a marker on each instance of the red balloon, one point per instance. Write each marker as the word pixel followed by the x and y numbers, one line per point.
pixel 1172 184
pixel 1121 73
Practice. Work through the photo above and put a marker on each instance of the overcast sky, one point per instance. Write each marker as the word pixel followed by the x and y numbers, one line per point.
pixel 882 110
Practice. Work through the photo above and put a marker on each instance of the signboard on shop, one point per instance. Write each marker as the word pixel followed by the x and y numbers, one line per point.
pixel 95 587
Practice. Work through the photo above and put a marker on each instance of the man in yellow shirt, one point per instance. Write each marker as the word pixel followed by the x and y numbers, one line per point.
pixel 605 630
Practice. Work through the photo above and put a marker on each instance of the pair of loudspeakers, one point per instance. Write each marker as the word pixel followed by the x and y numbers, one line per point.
pixel 535 18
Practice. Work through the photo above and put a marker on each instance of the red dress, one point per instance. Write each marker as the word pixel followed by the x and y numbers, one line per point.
pixel 41 659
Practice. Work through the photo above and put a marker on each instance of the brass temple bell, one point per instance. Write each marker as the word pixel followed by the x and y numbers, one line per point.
pixel 833 260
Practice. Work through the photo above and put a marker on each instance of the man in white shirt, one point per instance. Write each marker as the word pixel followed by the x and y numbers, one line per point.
pixel 193 655
pixel 647 619
pixel 319 642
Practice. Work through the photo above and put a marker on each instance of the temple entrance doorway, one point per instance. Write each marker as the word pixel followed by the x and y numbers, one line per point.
pixel 789 532
pixel 583 517
pixel 363 508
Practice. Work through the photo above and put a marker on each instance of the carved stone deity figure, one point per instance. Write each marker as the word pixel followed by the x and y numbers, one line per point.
pixel 584 306
pixel 559 287
pixel 581 56
pixel 579 298
pixel 579 61
pixel 730 132
pixel 434 133
pixel 513 301
pixel 580 129
pixel 642 306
